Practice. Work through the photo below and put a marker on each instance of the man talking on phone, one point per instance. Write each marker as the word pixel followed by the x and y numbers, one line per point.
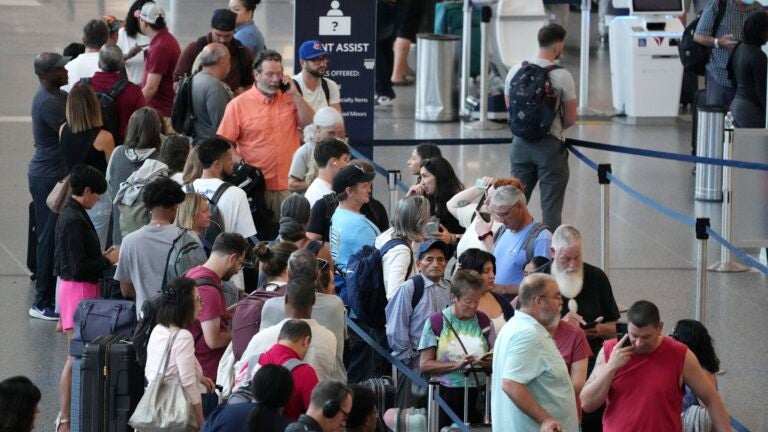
pixel 263 124
pixel 640 378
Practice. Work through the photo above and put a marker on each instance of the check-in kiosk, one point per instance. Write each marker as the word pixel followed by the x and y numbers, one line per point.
pixel 646 72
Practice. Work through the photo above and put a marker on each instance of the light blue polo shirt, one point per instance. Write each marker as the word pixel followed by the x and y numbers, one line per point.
pixel 525 352
pixel 510 255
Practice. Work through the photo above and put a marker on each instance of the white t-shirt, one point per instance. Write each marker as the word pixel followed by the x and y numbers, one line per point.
pixel 134 67
pixel 321 354
pixel 316 99
pixel 317 190
pixel 233 205
pixel 84 66
pixel 561 80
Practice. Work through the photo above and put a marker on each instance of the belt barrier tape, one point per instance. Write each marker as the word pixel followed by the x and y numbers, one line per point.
pixel 413 376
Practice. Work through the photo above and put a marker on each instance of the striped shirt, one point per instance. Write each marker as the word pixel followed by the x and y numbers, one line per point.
pixel 732 23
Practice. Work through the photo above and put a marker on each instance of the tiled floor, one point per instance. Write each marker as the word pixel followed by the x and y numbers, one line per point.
pixel 652 256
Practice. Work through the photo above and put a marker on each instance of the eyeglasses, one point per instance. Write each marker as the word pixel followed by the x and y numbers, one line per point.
pixel 346 414
pixel 552 297
pixel 322 264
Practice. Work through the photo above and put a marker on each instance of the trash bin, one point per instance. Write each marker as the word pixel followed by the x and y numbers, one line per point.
pixel 709 143
pixel 437 81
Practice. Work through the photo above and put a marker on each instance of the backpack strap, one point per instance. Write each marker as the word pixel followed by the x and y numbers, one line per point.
pixel 326 90
pixel 499 233
pixel 477 209
pixel 436 322
pixel 530 241
pixel 117 88
pixel 297 87
pixel 168 259
pixel 314 246
pixel 418 290
pixel 245 68
pixel 293 363
pixel 219 192
pixel 721 6
pixel 252 362
pixel 189 187
pixel 202 41
pixel 204 281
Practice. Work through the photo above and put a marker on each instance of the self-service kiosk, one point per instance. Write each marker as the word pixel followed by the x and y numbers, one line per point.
pixel 646 72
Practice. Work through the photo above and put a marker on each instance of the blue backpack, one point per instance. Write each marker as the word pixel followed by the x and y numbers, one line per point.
pixel 532 102
pixel 364 292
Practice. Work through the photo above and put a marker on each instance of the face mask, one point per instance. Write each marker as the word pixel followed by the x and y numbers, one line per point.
pixel 747 2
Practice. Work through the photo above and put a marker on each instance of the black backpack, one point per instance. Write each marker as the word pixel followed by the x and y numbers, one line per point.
pixel 693 55
pixel 182 112
pixel 251 180
pixel 532 102
pixel 109 115
pixel 216 226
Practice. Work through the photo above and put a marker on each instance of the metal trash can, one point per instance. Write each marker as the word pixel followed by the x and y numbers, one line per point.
pixel 709 143
pixel 437 82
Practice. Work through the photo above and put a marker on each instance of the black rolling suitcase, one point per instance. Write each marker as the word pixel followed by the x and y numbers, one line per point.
pixel 112 383
pixel 384 388
pixel 32 242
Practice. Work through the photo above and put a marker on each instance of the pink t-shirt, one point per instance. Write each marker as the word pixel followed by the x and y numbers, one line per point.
pixel 573 346
pixel 213 307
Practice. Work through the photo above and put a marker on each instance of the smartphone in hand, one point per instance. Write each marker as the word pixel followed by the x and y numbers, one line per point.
pixel 284 86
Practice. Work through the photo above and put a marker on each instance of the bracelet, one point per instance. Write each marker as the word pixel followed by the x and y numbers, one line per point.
pixel 717 43
pixel 484 236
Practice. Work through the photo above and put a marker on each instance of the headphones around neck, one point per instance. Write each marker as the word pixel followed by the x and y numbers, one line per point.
pixel 331 407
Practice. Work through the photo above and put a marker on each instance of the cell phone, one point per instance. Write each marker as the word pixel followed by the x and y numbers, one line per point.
pixel 480 184
pixel 432 228
pixel 486 217
pixel 593 324
pixel 284 86
pixel 621 331
pixel 487 355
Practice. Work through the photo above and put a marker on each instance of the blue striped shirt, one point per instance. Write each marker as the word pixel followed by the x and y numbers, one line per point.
pixel 732 23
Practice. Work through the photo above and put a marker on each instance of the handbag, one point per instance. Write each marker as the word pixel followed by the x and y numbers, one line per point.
pixel 57 198
pixel 99 317
pixel 164 406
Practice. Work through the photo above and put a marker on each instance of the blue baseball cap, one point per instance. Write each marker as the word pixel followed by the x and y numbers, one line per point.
pixel 429 244
pixel 311 49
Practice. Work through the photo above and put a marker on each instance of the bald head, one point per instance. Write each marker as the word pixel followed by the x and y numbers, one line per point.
pixel 534 285
pixel 212 54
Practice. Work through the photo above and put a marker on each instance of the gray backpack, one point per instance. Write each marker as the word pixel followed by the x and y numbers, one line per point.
pixel 133 213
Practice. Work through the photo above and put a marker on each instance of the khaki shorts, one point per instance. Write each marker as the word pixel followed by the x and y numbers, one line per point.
pixel 274 199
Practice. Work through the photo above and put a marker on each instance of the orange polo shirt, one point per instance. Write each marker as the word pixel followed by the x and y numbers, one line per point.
pixel 265 133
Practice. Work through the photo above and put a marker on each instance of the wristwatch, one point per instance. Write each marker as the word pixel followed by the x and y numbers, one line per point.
pixel 717 43
pixel 484 236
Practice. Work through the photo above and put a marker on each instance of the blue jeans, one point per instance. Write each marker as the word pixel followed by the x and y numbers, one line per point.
pixel 45 284
pixel 100 215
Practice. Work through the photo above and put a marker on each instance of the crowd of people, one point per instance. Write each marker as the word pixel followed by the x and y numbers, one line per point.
pixel 250 283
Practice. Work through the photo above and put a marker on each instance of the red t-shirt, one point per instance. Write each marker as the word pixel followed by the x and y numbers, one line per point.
pixel 162 54
pixel 645 394
pixel 304 379
pixel 573 346
pixel 214 306
pixel 126 103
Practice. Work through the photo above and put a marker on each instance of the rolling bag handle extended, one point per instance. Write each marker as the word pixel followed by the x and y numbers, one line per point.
pixel 475 370
pixel 433 417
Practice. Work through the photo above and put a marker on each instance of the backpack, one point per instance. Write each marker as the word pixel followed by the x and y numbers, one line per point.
pixel 133 213
pixel 243 393
pixel 530 241
pixel 216 226
pixel 186 252
pixel 693 55
pixel 532 102
pixel 146 324
pixel 364 292
pixel 323 84
pixel 246 321
pixel 109 116
pixel 182 113
pixel 251 180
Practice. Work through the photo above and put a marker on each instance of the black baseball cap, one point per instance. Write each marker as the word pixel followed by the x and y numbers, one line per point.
pixel 224 20
pixel 47 62
pixel 349 176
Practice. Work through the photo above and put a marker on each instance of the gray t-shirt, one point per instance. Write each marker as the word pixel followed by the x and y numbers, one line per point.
pixel 328 311
pixel 562 82
pixel 301 160
pixel 143 255
pixel 209 99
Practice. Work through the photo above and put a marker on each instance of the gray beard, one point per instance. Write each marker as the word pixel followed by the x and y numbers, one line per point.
pixel 570 283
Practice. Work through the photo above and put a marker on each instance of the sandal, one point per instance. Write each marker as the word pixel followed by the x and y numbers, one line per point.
pixel 59 421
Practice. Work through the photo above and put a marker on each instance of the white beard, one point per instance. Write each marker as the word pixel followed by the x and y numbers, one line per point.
pixel 570 283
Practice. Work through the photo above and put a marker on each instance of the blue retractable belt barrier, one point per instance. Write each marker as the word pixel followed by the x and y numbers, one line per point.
pixel 413 376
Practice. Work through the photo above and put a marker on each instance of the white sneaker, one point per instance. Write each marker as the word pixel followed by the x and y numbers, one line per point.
pixel 47 314
pixel 384 101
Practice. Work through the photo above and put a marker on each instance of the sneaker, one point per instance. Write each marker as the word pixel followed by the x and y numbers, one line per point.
pixel 46 313
pixel 384 101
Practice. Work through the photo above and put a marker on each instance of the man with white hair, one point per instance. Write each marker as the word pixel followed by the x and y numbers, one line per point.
pixel 327 123
pixel 586 291
pixel 210 92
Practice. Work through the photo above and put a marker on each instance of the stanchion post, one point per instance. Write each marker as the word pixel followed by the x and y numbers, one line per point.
pixel 486 14
pixel 586 9
pixel 701 268
pixel 726 265
pixel 466 56
pixel 432 411
pixel 487 413
pixel 605 182
pixel 393 177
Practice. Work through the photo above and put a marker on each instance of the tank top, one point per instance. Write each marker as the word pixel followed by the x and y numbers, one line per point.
pixel 78 148
pixel 645 394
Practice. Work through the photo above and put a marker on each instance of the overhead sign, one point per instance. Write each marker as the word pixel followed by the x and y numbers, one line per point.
pixel 347 31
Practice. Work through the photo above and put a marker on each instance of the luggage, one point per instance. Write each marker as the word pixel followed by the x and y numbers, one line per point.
pixel 385 391
pixel 483 392
pixel 97 317
pixel 112 383
pixel 32 242
pixel 246 320
pixel 449 19
pixel 688 90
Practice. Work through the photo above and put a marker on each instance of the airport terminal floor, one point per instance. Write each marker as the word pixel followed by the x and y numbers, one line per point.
pixel 652 256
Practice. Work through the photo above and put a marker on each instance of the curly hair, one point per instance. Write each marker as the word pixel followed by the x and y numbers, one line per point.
pixel 694 335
